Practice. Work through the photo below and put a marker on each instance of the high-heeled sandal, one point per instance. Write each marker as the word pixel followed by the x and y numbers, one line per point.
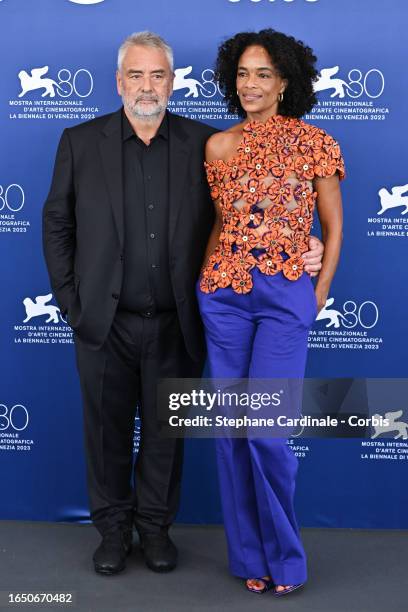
pixel 287 590
pixel 267 585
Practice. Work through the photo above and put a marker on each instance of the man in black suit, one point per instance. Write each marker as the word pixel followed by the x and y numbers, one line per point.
pixel 125 229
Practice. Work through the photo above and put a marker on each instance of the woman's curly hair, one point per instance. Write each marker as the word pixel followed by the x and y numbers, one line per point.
pixel 292 59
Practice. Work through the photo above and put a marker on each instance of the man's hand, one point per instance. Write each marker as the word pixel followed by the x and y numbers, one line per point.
pixel 313 257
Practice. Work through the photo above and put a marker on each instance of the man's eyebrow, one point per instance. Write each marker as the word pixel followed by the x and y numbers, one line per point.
pixel 134 71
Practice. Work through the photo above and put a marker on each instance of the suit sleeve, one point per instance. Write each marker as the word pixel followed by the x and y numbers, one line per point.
pixel 59 226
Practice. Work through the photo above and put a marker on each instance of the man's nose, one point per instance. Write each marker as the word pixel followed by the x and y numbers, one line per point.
pixel 147 84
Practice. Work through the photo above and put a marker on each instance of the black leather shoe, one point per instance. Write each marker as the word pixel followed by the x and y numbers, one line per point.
pixel 159 552
pixel 110 556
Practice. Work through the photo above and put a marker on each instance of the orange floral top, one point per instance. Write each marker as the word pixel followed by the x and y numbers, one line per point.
pixel 267 200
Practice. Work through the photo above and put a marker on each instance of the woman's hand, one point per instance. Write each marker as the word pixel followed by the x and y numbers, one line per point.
pixel 313 257
pixel 321 298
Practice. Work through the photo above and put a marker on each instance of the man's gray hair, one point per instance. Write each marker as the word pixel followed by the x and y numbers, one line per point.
pixel 145 39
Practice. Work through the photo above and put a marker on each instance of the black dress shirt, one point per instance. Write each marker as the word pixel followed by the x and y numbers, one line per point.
pixel 146 287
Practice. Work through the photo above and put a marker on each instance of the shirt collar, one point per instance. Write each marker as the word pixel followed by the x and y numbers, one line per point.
pixel 128 132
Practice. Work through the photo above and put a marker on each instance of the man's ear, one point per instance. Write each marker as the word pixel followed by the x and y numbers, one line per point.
pixel 173 76
pixel 119 82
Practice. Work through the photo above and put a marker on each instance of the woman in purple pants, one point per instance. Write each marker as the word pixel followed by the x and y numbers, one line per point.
pixel 257 303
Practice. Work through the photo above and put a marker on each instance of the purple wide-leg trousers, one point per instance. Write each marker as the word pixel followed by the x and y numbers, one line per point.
pixel 261 334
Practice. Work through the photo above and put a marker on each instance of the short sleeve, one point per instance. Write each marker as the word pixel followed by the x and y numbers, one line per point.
pixel 328 157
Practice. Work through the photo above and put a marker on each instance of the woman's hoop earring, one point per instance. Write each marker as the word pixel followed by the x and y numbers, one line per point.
pixel 280 96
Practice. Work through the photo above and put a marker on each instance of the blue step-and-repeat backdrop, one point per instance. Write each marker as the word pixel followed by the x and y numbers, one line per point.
pixel 58 69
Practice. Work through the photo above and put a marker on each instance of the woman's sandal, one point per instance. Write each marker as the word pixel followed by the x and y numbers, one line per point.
pixel 267 585
pixel 287 590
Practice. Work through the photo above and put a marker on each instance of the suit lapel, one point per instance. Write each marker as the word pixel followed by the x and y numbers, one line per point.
pixel 178 163
pixel 111 152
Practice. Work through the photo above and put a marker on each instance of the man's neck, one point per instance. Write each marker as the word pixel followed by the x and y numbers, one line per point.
pixel 145 129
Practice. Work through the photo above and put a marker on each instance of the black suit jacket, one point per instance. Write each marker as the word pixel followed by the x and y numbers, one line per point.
pixel 83 231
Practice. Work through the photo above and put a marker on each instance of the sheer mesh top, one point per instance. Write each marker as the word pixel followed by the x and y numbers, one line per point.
pixel 267 200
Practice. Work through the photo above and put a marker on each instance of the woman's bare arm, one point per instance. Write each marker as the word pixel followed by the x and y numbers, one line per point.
pixel 329 208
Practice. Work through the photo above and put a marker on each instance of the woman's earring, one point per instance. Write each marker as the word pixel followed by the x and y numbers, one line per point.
pixel 280 96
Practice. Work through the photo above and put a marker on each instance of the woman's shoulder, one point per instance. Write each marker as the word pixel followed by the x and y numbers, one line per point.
pixel 222 144
pixel 315 131
pixel 324 148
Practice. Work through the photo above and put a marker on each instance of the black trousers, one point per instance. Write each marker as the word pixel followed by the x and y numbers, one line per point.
pixel 116 380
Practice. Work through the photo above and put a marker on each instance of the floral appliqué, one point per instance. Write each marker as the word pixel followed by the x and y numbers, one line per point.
pixel 267 200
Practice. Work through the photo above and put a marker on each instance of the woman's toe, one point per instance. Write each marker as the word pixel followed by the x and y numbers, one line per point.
pixel 281 587
pixel 254 584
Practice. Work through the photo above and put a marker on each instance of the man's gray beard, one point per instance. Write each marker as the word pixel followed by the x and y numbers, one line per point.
pixel 144 114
